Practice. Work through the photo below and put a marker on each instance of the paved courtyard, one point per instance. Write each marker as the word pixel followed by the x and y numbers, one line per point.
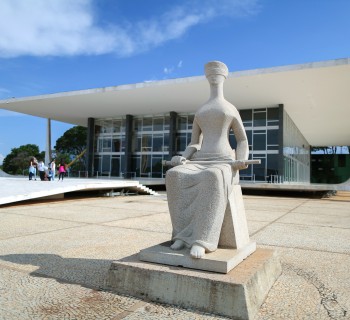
pixel 54 256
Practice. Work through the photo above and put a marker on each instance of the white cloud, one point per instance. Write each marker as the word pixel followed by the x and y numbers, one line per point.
pixel 168 70
pixel 50 27
pixel 66 27
pixel 172 69
pixel 4 93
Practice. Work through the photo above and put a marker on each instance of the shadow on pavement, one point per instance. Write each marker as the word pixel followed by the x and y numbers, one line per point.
pixel 89 273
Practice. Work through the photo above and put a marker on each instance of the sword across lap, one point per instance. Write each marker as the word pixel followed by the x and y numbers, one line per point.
pixel 231 162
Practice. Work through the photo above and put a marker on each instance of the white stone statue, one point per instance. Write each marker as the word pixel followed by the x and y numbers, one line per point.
pixel 198 192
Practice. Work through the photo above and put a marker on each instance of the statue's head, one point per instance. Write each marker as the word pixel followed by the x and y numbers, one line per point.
pixel 214 68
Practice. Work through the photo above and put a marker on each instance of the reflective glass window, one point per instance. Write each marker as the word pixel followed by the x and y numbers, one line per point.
pixel 136 164
pixel 122 143
pixel 189 135
pixel 99 145
pixel 249 136
pixel 97 129
pixel 259 119
pixel 137 142
pixel 166 142
pixel 116 144
pixel 157 167
pixel 117 126
pixel 181 142
pixel 106 163
pixel 166 122
pixel 146 142
pixel 272 164
pixel 259 142
pixel 341 160
pixel 122 163
pixel 232 140
pixel 182 123
pixel 272 136
pixel 146 160
pixel 157 142
pixel 158 124
pixel 190 121
pixel 246 115
pixel 97 163
pixel 107 144
pixel 147 124
pixel 260 169
pixel 272 114
pixel 107 126
pixel 137 124
pixel 115 166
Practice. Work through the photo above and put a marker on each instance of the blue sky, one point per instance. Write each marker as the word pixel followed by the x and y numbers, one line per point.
pixel 50 46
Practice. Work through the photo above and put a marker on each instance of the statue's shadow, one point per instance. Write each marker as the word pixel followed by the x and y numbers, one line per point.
pixel 89 273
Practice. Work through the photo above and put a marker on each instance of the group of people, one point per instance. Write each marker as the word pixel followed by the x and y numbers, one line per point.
pixel 46 173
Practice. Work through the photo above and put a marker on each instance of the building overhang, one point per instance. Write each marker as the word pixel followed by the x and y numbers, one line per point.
pixel 315 95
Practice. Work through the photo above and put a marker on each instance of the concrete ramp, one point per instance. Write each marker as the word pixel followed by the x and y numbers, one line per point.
pixel 21 189
pixel 3 174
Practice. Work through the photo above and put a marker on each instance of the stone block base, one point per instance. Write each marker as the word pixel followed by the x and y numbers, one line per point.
pixel 222 260
pixel 237 294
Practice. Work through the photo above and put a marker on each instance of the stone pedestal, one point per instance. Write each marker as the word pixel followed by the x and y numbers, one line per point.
pixel 222 260
pixel 237 294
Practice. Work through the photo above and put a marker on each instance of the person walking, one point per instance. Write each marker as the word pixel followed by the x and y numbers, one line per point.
pixel 52 168
pixel 32 170
pixel 41 169
pixel 61 170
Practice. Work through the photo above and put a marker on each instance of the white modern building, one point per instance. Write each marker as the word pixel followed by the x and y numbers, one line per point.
pixel 132 128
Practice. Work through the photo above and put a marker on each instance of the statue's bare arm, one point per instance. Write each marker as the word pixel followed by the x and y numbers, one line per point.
pixel 194 146
pixel 242 150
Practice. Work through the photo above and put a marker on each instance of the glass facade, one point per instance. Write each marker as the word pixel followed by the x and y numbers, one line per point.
pixel 183 132
pixel 330 168
pixel 296 153
pixel 262 128
pixel 109 147
pixel 150 145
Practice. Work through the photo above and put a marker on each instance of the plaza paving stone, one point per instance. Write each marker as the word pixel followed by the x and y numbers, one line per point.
pixel 54 257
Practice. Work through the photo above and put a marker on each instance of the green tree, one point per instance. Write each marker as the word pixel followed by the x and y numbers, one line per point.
pixel 71 144
pixel 18 159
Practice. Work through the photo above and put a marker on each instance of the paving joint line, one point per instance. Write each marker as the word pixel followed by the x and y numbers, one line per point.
pixel 57 219
pixel 311 225
pixel 128 228
pixel 269 224
pixel 301 248
pixel 84 222
pixel 145 215
pixel 43 232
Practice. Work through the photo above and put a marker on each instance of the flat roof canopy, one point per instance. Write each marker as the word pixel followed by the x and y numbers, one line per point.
pixel 315 95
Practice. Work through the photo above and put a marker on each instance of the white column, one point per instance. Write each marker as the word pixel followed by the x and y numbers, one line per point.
pixel 48 142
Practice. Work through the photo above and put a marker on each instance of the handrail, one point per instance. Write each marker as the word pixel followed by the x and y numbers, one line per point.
pixel 77 158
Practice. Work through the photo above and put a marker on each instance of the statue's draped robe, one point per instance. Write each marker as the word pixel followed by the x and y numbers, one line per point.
pixel 198 194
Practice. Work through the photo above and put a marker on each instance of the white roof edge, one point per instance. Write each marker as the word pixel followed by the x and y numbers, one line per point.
pixel 234 74
pixel 105 89
pixel 292 67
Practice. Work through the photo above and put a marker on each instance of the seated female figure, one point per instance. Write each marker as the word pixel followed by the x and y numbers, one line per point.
pixel 198 193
